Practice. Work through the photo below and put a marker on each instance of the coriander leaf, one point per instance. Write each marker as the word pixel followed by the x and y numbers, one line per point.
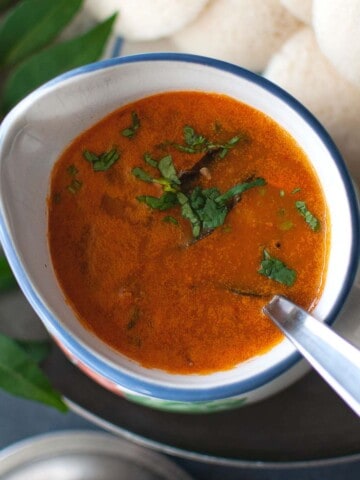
pixel 189 214
pixel 32 25
pixel 167 169
pixel 211 213
pixel 74 186
pixel 102 162
pixel 135 124
pixel 54 60
pixel 239 189
pixel 296 190
pixel 150 160
pixel 170 219
pixel 72 170
pixel 192 138
pixel 167 200
pixel 276 270
pixel 21 376
pixel 142 175
pixel 310 219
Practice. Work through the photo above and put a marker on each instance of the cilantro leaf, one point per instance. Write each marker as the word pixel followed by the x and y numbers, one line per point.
pixel 130 132
pixel 170 219
pixel 167 169
pixel 196 143
pixel 239 189
pixel 310 219
pixel 189 214
pixel 167 200
pixel 150 160
pixel 211 213
pixel 142 175
pixel 275 269
pixel 104 161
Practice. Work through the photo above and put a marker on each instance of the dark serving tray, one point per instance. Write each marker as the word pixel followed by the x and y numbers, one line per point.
pixel 307 424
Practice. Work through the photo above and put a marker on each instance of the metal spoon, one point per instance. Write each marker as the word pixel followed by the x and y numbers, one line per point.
pixel 335 359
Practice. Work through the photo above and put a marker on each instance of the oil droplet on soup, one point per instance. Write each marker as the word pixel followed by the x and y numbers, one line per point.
pixel 174 220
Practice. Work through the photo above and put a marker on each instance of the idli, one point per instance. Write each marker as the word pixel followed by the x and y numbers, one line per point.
pixel 301 69
pixel 246 32
pixel 146 19
pixel 302 9
pixel 337 28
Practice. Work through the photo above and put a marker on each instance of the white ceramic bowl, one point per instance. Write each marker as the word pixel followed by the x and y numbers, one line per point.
pixel 36 132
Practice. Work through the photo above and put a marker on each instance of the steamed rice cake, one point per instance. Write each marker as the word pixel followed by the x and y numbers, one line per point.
pixel 302 9
pixel 301 69
pixel 147 19
pixel 246 32
pixel 337 29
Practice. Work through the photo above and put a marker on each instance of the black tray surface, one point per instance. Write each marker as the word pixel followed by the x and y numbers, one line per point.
pixel 307 422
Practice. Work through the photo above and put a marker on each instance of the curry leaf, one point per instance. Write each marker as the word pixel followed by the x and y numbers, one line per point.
pixel 31 25
pixel 21 376
pixel 37 350
pixel 7 279
pixel 275 269
pixel 4 4
pixel 55 60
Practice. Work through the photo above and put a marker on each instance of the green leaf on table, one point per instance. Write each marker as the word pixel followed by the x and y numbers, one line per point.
pixel 7 279
pixel 37 350
pixel 21 376
pixel 4 4
pixel 31 25
pixel 55 60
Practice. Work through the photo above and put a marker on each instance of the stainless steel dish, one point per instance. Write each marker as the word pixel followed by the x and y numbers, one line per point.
pixel 82 455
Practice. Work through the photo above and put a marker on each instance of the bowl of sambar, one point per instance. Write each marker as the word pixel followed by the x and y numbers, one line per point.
pixel 151 205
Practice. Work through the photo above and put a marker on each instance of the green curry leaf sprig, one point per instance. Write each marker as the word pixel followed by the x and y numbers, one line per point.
pixel 205 209
pixel 32 51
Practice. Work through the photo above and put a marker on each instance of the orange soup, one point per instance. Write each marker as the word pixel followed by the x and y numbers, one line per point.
pixel 174 220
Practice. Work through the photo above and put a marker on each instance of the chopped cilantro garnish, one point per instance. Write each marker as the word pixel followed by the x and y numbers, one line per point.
pixel 275 269
pixel 310 219
pixel 170 219
pixel 72 170
pixel 150 160
pixel 296 190
pixel 167 200
pixel 102 162
pixel 142 175
pixel 196 143
pixel 239 189
pixel 74 186
pixel 130 132
pixel 167 169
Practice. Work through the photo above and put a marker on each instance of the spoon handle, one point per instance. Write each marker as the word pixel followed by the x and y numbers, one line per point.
pixel 336 360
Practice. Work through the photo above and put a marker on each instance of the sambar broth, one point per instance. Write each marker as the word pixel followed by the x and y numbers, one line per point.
pixel 150 277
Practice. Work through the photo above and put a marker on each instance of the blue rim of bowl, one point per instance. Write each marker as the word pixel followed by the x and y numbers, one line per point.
pixel 152 388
